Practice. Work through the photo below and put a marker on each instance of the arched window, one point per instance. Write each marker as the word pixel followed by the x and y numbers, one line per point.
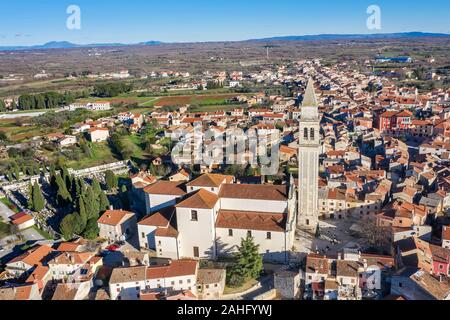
pixel 312 134
pixel 305 133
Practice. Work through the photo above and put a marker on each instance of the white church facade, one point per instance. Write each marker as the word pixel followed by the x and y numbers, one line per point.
pixel 215 214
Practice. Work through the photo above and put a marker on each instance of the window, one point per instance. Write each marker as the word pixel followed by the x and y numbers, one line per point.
pixel 305 133
pixel 269 235
pixel 400 284
pixel 312 133
pixel 230 232
pixel 249 234
pixel 188 280
pixel 194 215
pixel 172 283
pixel 181 282
pixel 196 252
pixel 143 235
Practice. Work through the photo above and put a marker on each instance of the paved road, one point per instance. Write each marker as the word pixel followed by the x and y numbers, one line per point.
pixel 5 212
pixel 266 285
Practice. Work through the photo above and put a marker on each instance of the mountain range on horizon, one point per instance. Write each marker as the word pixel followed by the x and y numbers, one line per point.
pixel 376 36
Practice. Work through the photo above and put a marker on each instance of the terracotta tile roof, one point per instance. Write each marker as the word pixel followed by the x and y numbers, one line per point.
pixel 159 219
pixel 38 274
pixel 247 220
pixel 71 258
pixel 439 290
pixel 68 246
pixel 34 256
pixel 175 188
pixel 347 268
pixel 114 217
pixel 20 218
pixel 253 191
pixel 317 263
pixel 210 180
pixel 200 199
pixel 169 232
pixel 446 233
pixel 177 268
pixel 22 292
pixel 211 276
pixel 65 292
pixel 129 274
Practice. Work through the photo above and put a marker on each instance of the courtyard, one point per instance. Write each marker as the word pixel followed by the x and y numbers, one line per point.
pixel 335 235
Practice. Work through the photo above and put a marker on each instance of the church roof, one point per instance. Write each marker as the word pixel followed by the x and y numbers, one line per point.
pixel 309 98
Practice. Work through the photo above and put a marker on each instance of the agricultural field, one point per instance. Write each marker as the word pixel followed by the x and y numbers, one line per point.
pixel 218 99
pixel 17 133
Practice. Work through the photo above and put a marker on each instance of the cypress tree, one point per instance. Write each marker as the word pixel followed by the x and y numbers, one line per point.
pixel 111 180
pixel 249 263
pixel 91 231
pixel 82 212
pixel 63 196
pixel 96 188
pixel 104 202
pixel 38 198
pixel 67 226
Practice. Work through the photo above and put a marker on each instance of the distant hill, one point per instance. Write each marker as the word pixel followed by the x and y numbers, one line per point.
pixel 69 45
pixel 404 35
pixel 356 36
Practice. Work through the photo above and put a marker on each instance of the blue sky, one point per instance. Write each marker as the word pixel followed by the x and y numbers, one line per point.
pixel 27 22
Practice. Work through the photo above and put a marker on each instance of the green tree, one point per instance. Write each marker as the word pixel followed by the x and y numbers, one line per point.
pixel 67 226
pixel 16 171
pixel 96 188
pixel 38 198
pixel 111 180
pixel 63 195
pixel 82 212
pixel 92 204
pixel 104 202
pixel 124 197
pixel 91 231
pixel 2 106
pixel 248 263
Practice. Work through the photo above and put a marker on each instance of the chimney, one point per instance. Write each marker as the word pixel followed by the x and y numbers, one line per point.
pixel 111 207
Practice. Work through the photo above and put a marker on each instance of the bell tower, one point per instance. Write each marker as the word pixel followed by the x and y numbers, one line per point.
pixel 309 151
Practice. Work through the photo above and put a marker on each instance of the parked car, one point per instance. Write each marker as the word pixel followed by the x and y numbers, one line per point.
pixel 113 247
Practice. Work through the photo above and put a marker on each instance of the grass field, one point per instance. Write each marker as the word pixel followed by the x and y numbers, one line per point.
pixel 246 286
pixel 101 154
pixel 194 99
